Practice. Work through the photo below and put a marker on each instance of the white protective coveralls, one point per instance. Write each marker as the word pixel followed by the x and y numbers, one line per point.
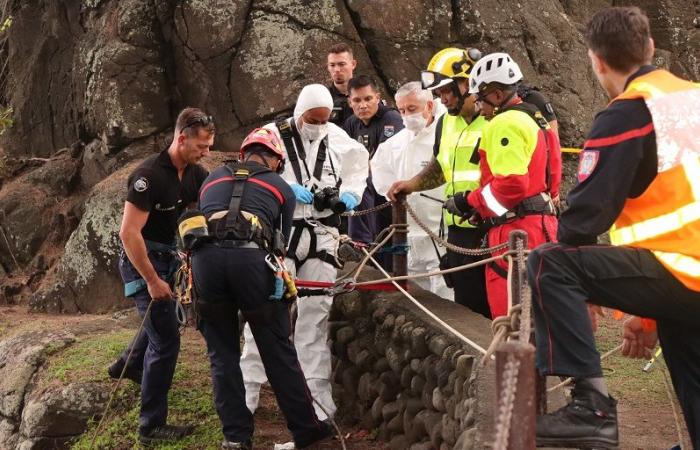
pixel 399 158
pixel 349 159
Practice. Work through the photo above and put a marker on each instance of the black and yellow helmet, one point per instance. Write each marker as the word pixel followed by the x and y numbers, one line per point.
pixel 448 64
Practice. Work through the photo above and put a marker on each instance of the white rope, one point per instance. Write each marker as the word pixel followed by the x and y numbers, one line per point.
pixel 459 335
pixel 435 272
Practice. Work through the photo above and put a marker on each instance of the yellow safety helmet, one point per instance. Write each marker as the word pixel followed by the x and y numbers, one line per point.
pixel 448 64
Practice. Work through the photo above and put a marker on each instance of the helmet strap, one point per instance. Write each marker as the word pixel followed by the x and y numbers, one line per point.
pixel 497 108
pixel 460 97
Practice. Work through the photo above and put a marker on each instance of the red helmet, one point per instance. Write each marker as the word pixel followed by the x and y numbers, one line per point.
pixel 264 137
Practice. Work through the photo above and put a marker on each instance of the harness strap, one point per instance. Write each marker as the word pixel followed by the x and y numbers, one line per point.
pixel 294 243
pixel 323 255
pixel 292 144
pixel 240 175
pixel 320 158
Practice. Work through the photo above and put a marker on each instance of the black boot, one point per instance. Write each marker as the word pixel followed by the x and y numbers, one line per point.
pixel 164 434
pixel 589 421
pixel 115 370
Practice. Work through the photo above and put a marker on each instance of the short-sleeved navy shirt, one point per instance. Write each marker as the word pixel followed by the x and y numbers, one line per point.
pixel 266 195
pixel 155 187
pixel 386 123
pixel 341 107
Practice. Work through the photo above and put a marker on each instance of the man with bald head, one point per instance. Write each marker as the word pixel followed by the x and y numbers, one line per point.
pixel 326 170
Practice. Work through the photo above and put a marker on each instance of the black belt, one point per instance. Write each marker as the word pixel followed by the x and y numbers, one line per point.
pixel 537 205
pixel 234 243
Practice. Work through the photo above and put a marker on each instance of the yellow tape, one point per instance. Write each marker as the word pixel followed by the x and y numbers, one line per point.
pixel 570 150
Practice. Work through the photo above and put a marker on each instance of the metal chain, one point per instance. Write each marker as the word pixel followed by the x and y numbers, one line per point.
pixel 364 212
pixel 505 402
pixel 443 243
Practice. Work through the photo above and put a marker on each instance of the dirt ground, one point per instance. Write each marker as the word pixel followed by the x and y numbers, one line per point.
pixel 646 418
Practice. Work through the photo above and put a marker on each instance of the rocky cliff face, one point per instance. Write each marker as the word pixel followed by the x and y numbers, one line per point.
pixel 105 78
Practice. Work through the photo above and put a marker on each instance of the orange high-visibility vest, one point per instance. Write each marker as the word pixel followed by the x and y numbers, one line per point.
pixel 666 217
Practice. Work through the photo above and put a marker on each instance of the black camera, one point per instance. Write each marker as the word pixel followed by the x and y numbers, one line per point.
pixel 327 198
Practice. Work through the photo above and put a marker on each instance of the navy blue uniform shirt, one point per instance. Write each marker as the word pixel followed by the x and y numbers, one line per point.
pixel 341 107
pixel 618 161
pixel 266 195
pixel 383 125
pixel 155 187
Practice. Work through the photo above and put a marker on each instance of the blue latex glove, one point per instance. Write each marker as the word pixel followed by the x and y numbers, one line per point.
pixel 279 289
pixel 350 201
pixel 302 194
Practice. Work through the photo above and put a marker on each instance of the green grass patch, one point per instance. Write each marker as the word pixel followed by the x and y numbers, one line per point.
pixel 189 402
pixel 87 360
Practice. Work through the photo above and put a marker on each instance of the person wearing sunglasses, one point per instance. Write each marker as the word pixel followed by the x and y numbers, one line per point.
pixel 513 192
pixel 159 190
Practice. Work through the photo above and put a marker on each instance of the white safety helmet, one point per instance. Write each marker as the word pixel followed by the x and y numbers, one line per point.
pixel 494 68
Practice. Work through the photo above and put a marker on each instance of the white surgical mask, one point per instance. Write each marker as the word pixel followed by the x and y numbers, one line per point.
pixel 414 122
pixel 313 132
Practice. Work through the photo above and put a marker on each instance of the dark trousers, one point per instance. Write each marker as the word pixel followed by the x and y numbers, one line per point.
pixel 139 344
pixel 366 228
pixel 469 285
pixel 564 278
pixel 157 346
pixel 228 279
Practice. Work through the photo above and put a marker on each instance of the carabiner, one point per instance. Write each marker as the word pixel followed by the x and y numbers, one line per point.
pixel 271 262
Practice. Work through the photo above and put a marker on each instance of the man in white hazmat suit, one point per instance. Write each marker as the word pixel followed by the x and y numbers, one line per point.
pixel 312 248
pixel 401 157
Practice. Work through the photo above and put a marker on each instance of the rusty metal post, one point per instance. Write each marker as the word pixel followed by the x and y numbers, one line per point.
pixel 519 277
pixel 515 394
pixel 400 259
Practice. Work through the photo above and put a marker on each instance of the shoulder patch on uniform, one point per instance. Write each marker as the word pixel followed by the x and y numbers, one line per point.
pixel 548 107
pixel 141 184
pixel 389 130
pixel 587 163
pixel 504 142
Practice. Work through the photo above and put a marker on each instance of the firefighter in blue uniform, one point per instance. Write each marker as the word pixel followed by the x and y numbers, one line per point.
pixel 249 210
pixel 159 190
pixel 639 177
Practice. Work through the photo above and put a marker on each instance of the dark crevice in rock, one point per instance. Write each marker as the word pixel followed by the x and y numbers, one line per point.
pixel 236 48
pixel 455 19
pixel 168 60
pixel 371 50
pixel 187 50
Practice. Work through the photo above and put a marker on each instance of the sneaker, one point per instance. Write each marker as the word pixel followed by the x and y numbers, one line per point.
pixel 165 433
pixel 229 445
pixel 589 421
pixel 115 370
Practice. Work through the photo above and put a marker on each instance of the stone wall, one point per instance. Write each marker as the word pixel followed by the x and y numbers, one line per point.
pixel 396 371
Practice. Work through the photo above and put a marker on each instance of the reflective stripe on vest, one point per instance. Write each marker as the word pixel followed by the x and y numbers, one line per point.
pixel 457 143
pixel 666 217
